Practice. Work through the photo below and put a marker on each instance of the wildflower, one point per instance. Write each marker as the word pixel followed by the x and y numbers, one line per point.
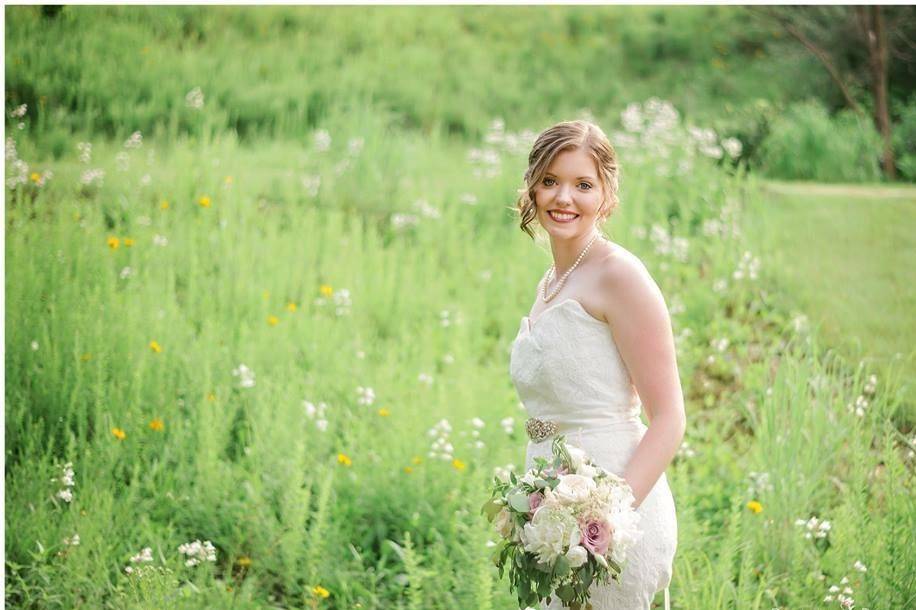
pixel 468 199
pixel 204 201
pixel 197 552
pixel 291 307
pixel 160 240
pixel 113 243
pixel 164 205
pixel 126 272
pixel 507 424
pixel 73 540
pixel 153 345
pixel 417 459
pixel 86 357
pixel 858 565
pixel 85 151
pixel 34 346
pixel 342 301
pixel 228 180
pixel 477 423
pixel 448 359
pixel 311 184
pixel 122 161
pixel 425 378
pixel 211 396
pixel 156 424
pixel 684 451
pixel 134 141
pixel 458 464
pixel 144 556
pixel 366 395
pixel 244 561
pixel 326 290
pixel 92 176
pixel 322 140
pixel 755 506
pixel 245 375
pixel 355 145
pixel 128 242
pixel 444 318
pixel 273 320
pixel 66 495
pixel 35 177
pixel 319 591
pixel 20 111
pixel 732 146
pixel 815 527
pixel 343 459
pixel 384 412
pixel 408 469
pixel 119 433
pixel 194 98
pixel 402 221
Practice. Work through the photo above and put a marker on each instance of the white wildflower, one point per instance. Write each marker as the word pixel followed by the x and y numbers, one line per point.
pixel 245 375
pixel 321 139
pixel 195 98
pixel 134 141
pixel 197 552
pixel 366 396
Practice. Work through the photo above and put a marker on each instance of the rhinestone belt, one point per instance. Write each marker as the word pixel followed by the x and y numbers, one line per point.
pixel 539 429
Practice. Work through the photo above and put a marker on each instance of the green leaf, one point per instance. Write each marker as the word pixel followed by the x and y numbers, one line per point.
pixel 490 508
pixel 566 593
pixel 561 568
pixel 519 502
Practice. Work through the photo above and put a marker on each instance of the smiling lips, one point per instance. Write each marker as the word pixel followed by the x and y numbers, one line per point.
pixel 562 217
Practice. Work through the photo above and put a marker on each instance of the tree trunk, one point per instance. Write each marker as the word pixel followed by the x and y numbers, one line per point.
pixel 872 23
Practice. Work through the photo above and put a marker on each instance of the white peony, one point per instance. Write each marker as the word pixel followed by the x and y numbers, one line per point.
pixel 574 488
pixel 550 533
pixel 577 555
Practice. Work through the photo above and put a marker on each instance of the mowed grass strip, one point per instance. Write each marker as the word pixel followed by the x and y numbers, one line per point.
pixel 846 257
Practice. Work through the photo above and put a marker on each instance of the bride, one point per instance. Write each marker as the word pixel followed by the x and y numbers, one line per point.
pixel 596 350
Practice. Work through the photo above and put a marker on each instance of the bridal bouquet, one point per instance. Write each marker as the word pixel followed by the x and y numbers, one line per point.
pixel 563 525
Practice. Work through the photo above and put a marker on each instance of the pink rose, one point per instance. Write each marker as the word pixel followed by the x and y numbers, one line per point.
pixel 535 500
pixel 596 535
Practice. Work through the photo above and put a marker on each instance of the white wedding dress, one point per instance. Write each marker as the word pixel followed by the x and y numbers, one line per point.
pixel 566 368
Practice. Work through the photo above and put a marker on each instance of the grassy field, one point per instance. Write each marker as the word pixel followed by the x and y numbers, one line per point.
pixel 846 254
pixel 257 335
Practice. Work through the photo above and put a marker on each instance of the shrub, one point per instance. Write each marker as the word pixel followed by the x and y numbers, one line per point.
pixel 806 143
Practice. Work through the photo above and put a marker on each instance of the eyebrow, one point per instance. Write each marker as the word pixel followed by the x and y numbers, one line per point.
pixel 579 178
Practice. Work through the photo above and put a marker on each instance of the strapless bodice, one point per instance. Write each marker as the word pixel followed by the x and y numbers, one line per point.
pixel 566 368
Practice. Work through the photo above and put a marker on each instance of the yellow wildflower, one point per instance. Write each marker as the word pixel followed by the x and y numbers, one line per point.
pixel 155 347
pixel 408 469
pixel 326 290
pixel 384 412
pixel 320 591
pixel 86 357
pixel 228 179
pixel 165 204
pixel 243 561
pixel 273 320
pixel 35 177
pixel 755 506
pixel 417 459
pixel 291 306
pixel 211 396
pixel 458 464
pixel 157 425
pixel 343 459
pixel 119 434
pixel 113 243
pixel 128 242
pixel 204 201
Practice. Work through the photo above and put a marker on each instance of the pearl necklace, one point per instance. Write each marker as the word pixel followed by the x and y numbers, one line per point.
pixel 553 269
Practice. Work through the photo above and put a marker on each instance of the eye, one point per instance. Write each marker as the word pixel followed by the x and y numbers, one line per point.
pixel 544 181
pixel 587 184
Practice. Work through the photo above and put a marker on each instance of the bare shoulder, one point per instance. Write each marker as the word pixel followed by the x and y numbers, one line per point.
pixel 627 287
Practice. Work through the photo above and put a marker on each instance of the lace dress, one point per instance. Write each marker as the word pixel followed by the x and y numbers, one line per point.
pixel 566 368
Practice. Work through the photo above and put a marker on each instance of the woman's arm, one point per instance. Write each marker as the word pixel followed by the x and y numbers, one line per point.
pixel 641 326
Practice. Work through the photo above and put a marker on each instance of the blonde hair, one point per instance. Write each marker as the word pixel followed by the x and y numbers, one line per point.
pixel 561 137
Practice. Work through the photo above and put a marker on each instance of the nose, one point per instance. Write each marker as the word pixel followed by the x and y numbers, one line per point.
pixel 564 196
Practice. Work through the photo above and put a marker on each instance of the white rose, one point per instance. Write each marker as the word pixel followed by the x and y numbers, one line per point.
pixel 574 488
pixel 576 455
pixel 503 523
pixel 549 533
pixel 529 478
pixel 577 555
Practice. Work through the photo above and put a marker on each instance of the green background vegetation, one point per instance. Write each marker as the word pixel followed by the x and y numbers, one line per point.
pixel 249 470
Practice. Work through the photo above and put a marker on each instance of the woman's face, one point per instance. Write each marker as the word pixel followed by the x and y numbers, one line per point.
pixel 569 196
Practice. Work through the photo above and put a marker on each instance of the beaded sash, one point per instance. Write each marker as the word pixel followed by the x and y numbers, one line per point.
pixel 539 429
